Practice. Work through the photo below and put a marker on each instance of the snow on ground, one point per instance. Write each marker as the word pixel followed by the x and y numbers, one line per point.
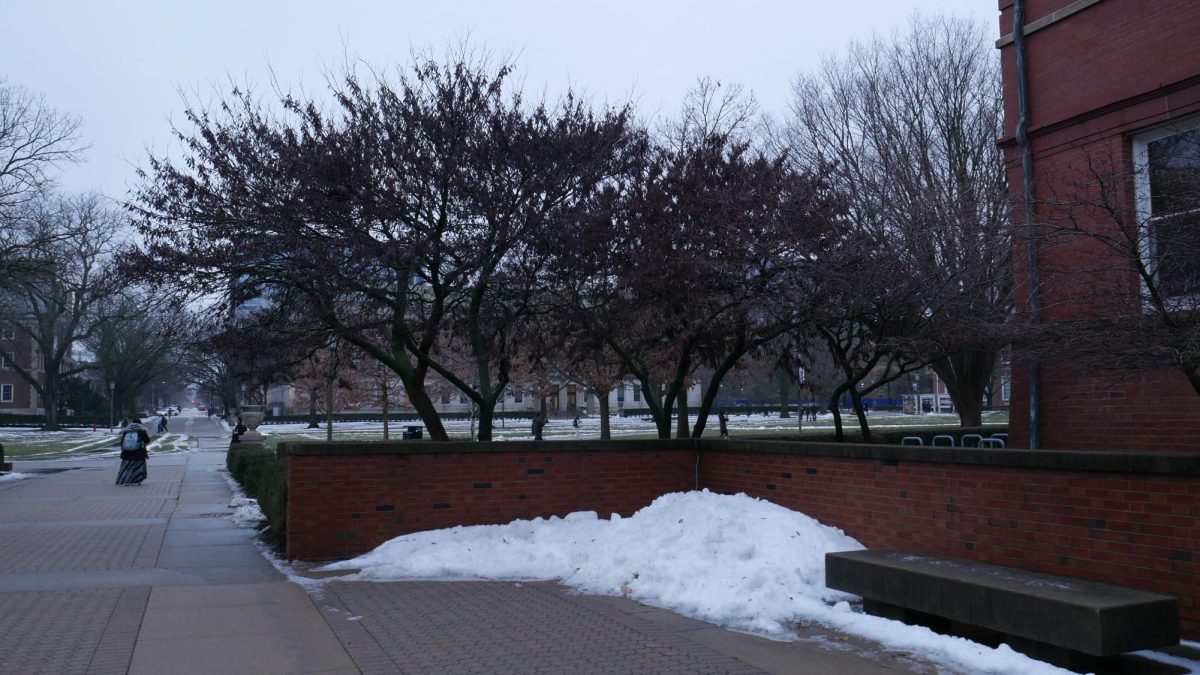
pixel 14 476
pixel 740 562
pixel 589 427
pixel 246 512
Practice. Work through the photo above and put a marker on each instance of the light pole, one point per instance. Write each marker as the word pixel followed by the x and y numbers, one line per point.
pixel 112 387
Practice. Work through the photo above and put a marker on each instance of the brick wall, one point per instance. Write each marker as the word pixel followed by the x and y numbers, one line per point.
pixel 342 501
pixel 1131 520
pixel 1096 78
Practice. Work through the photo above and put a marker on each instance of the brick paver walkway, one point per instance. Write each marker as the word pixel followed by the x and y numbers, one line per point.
pixel 96 578
pixel 494 627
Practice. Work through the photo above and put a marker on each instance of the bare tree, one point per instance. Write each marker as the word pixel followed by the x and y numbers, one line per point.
pixel 33 139
pixel 56 306
pixel 139 339
pixel 909 125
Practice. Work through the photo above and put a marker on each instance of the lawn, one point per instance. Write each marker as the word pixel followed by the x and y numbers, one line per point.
pixel 35 444
pixel 740 426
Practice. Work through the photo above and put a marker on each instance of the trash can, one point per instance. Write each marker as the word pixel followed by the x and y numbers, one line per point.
pixel 412 432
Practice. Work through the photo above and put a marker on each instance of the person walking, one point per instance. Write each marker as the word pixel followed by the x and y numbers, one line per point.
pixel 723 419
pixel 538 423
pixel 162 424
pixel 238 430
pixel 134 439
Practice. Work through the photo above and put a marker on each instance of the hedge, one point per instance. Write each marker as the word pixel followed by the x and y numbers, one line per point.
pixel 7 420
pixel 262 476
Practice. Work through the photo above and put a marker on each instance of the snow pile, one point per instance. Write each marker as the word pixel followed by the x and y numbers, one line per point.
pixel 736 561
pixel 14 476
pixel 739 561
pixel 246 512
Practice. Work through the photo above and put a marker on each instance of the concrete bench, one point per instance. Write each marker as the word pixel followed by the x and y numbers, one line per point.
pixel 1065 621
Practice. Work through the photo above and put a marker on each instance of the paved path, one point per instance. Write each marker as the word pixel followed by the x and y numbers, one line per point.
pixel 96 578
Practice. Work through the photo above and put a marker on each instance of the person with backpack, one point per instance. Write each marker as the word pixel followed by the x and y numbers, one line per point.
pixel 134 439
pixel 162 424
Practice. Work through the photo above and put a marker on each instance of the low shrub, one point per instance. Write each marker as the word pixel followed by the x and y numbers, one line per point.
pixel 11 420
pixel 262 476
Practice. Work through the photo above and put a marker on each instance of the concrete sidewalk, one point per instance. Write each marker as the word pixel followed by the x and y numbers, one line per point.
pixel 96 578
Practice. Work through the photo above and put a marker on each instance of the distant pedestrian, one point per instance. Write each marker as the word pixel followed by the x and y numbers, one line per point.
pixel 238 430
pixel 723 420
pixel 162 424
pixel 134 438
pixel 575 422
pixel 538 423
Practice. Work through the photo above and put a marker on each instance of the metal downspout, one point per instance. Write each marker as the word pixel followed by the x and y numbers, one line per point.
pixel 1027 179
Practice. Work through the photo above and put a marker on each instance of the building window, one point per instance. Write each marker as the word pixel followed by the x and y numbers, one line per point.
pixel 6 393
pixel 6 360
pixel 1005 389
pixel 8 333
pixel 462 398
pixel 620 393
pixel 445 398
pixel 518 397
pixel 637 394
pixel 1167 163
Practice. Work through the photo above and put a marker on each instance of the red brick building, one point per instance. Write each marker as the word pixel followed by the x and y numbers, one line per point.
pixel 16 395
pixel 1109 82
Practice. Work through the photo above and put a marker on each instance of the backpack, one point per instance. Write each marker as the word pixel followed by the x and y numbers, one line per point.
pixel 131 441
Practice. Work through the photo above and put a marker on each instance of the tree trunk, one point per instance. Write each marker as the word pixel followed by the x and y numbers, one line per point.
pixel 605 427
pixel 682 428
pixel 800 410
pixel 487 418
pixel 50 401
pixel 312 409
pixel 425 409
pixel 329 410
pixel 783 395
pixel 967 375
pixel 384 401
pixel 837 416
pixel 856 400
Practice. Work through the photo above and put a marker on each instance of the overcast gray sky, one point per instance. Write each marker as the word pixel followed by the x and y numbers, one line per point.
pixel 120 65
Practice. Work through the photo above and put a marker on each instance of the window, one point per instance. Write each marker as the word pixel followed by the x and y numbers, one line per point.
pixel 1005 389
pixel 445 398
pixel 6 360
pixel 8 333
pixel 620 393
pixel 6 393
pixel 1167 162
pixel 518 396
pixel 462 398
pixel 637 394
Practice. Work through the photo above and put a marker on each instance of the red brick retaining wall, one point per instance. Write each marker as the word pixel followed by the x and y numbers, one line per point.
pixel 1101 516
pixel 1131 519
pixel 344 500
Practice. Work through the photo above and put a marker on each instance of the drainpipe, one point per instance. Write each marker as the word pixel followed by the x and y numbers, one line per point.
pixel 1033 279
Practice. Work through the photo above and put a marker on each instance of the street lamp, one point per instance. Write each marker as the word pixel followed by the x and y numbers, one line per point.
pixel 112 387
